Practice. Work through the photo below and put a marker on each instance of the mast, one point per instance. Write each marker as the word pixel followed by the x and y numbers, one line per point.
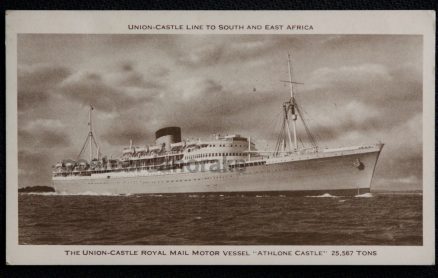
pixel 292 106
pixel 286 120
pixel 90 138
pixel 295 110
pixel 90 133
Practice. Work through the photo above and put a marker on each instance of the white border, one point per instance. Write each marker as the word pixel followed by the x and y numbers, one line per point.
pixel 333 22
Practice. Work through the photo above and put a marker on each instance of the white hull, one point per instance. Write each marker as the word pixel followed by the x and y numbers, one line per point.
pixel 332 172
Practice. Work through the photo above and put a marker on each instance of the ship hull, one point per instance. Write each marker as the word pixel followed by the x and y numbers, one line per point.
pixel 335 174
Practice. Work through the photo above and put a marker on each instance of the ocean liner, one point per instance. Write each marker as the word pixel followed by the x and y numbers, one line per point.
pixel 222 164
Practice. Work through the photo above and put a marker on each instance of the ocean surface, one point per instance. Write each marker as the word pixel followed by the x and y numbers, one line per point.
pixel 204 219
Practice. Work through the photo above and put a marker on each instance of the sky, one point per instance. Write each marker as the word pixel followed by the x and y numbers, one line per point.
pixel 358 89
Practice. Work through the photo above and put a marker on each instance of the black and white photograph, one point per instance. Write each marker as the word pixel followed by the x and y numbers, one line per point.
pixel 216 139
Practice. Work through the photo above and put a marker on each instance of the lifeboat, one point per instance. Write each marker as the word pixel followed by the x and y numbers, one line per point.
pixel 69 165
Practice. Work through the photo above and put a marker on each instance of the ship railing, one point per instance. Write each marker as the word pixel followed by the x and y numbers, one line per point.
pixel 154 155
pixel 324 153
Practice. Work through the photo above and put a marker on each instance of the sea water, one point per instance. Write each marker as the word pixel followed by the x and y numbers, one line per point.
pixel 220 219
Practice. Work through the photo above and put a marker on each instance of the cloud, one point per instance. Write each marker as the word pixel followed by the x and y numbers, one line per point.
pixel 34 168
pixel 370 82
pixel 203 104
pixel 349 77
pixel 90 88
pixel 126 75
pixel 42 133
pixel 117 90
pixel 44 124
pixel 352 118
pixel 200 106
pixel 123 129
pixel 363 97
pixel 36 82
pixel 205 53
pixel 403 151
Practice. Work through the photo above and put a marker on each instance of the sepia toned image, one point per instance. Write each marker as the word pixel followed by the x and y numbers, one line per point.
pixel 220 139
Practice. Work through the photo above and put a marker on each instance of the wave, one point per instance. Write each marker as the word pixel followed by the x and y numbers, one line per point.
pixel 40 193
pixel 365 195
pixel 86 193
pixel 325 195
pixel 400 193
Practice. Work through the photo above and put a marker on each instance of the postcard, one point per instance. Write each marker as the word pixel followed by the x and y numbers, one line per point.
pixel 220 137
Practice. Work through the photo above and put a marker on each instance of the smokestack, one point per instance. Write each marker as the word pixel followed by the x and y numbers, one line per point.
pixel 167 136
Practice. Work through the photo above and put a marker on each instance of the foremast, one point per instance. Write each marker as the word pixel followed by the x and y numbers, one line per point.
pixel 91 140
pixel 291 111
pixel 290 106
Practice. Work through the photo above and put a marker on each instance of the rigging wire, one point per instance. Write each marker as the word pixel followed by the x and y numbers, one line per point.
pixel 90 139
pixel 309 134
pixel 84 146
pixel 299 139
pixel 280 138
pixel 276 120
pixel 308 119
